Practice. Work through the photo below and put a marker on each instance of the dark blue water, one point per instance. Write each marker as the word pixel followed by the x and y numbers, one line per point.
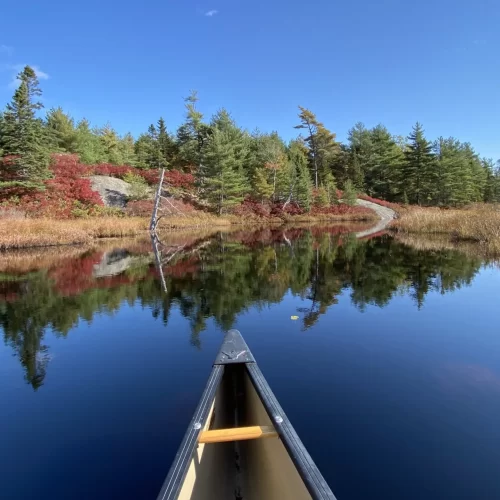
pixel 391 374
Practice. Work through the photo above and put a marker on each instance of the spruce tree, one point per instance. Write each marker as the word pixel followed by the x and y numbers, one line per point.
pixel 89 145
pixel 419 168
pixel 350 195
pixel 144 151
pixel 23 136
pixel 192 136
pixel 166 146
pixel 111 145
pixel 127 150
pixel 225 184
pixel 262 189
pixel 302 188
pixel 383 172
pixel 60 130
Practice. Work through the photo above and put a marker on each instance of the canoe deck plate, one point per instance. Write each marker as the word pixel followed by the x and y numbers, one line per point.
pixel 234 350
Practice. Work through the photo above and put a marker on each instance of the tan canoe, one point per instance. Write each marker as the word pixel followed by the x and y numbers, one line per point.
pixel 240 445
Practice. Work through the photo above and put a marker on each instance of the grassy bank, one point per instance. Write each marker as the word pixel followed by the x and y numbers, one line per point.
pixel 31 233
pixel 479 224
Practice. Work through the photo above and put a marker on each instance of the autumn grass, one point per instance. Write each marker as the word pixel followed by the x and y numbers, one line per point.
pixel 479 224
pixel 17 233
pixel 30 233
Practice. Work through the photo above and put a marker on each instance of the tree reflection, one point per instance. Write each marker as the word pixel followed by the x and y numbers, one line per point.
pixel 221 277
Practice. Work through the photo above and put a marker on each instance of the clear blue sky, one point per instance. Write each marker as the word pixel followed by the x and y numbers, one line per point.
pixel 388 61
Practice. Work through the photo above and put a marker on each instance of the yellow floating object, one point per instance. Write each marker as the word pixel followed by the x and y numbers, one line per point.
pixel 294 317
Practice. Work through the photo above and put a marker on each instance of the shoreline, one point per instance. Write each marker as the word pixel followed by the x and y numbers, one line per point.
pixel 18 234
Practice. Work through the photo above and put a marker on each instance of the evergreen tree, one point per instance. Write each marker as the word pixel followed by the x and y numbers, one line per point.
pixel 166 146
pixel 192 136
pixel 384 173
pixel 477 173
pixel 127 150
pixel 419 168
pixel 359 154
pixel 61 133
pixel 144 151
pixel 261 187
pixel 331 189
pixel 225 183
pixel 89 145
pixel 302 184
pixel 491 190
pixel 1 136
pixel 23 136
pixel 323 147
pixel 309 122
pixel 111 145
pixel 350 195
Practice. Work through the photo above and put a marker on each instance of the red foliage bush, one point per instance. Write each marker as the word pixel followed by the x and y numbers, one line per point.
pixel 139 208
pixel 179 179
pixel 62 192
pixel 291 209
pixel 252 208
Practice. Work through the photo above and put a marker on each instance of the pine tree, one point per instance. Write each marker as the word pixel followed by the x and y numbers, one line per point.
pixel 383 174
pixel 261 186
pixel 111 145
pixel 302 184
pixel 23 136
pixel 350 195
pixel 89 145
pixel 331 189
pixel 491 192
pixel 359 151
pixel 144 151
pixel 166 146
pixel 1 136
pixel 127 150
pixel 225 184
pixel 61 133
pixel 419 168
pixel 192 135
pixel 323 147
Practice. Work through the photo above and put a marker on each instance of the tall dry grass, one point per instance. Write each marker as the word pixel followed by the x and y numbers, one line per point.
pixel 478 223
pixel 28 233
pixel 49 232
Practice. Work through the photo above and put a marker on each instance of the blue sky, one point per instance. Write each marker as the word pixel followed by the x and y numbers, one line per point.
pixel 386 61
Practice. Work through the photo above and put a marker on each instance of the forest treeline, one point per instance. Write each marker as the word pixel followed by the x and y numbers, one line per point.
pixel 314 264
pixel 230 163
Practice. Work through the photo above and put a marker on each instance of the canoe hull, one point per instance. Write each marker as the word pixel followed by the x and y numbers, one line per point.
pixel 237 395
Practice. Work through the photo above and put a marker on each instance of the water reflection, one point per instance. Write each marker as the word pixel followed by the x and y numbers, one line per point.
pixel 217 278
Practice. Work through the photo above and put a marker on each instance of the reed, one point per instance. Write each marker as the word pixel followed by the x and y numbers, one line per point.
pixel 478 223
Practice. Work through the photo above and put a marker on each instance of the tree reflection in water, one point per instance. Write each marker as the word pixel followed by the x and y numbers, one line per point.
pixel 219 278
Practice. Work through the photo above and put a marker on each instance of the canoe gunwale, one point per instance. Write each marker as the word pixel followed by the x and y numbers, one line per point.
pixel 175 478
pixel 235 351
pixel 307 469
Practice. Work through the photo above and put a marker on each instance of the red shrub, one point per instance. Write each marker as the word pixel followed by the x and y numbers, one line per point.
pixel 179 179
pixel 139 208
pixel 61 193
pixel 251 207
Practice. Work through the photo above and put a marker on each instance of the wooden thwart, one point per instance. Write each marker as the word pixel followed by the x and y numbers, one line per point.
pixel 237 434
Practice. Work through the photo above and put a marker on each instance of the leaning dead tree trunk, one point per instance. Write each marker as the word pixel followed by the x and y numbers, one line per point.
pixel 162 205
pixel 289 199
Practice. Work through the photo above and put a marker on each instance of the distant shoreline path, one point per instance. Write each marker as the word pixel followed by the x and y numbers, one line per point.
pixel 386 216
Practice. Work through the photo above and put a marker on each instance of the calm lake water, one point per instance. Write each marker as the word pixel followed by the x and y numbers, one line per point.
pixel 391 374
